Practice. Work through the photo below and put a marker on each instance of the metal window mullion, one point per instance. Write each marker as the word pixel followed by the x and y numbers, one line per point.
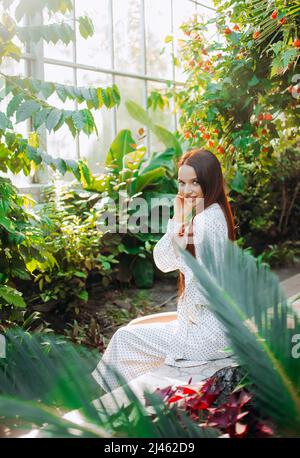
pixel 64 63
pixel 75 79
pixel 144 67
pixel 113 60
pixel 202 4
pixel 173 64
pixel 35 69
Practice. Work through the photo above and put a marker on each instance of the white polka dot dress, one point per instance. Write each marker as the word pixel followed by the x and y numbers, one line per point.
pixel 194 338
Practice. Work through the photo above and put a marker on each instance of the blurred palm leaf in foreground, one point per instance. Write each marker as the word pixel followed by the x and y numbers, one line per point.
pixel 261 327
pixel 43 377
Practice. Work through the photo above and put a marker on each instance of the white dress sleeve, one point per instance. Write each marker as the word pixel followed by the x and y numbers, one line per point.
pixel 209 227
pixel 165 255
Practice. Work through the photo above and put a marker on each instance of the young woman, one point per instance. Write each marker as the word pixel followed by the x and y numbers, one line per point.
pixel 192 336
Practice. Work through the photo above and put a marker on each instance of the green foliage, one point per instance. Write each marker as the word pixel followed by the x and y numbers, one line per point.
pixel 74 239
pixel 128 171
pixel 22 250
pixel 45 376
pixel 241 101
pixel 267 210
pixel 167 138
pixel 10 296
pixel 260 325
pixel 20 242
pixel 26 98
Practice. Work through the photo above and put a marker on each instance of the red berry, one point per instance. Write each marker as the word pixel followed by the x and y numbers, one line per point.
pixel 236 28
pixel 211 144
pixel 265 150
pixel 283 20
pixel 216 132
pixel 220 150
pixel 274 14
pixel 206 136
pixel 260 117
pixel 264 132
pixel 187 135
pixel 296 43
pixel 256 35
pixel 268 117
pixel 228 31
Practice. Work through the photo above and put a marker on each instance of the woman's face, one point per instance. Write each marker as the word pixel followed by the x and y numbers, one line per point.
pixel 188 185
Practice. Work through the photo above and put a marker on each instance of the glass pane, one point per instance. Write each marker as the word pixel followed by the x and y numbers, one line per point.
pixel 158 26
pixel 130 89
pixel 94 148
pixel 164 118
pixel 128 36
pixel 95 50
pixel 61 143
pixel 11 67
pixel 183 10
pixel 206 14
pixel 58 51
pixel 11 11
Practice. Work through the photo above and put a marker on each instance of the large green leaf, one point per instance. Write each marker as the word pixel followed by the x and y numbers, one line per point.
pixel 148 178
pixel 164 159
pixel 121 145
pixel 27 109
pixel 11 296
pixel 238 182
pixel 165 136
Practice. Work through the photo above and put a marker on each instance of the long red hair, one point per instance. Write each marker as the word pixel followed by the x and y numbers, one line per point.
pixel 210 177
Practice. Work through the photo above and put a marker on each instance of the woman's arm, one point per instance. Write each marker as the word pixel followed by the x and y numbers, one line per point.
pixel 165 253
pixel 209 228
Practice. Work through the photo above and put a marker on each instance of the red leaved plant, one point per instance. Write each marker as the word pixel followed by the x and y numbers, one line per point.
pixel 198 402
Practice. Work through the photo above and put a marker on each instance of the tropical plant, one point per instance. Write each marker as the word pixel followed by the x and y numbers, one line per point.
pixel 22 247
pixel 26 98
pixel 267 206
pixel 241 100
pixel 129 173
pixel 44 377
pixel 234 416
pixel 261 326
pixel 79 246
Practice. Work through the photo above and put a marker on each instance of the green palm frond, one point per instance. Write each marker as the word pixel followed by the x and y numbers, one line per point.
pixel 44 377
pixel 249 302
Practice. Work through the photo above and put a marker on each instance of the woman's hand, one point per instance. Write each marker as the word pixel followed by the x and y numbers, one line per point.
pixel 182 216
pixel 182 209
